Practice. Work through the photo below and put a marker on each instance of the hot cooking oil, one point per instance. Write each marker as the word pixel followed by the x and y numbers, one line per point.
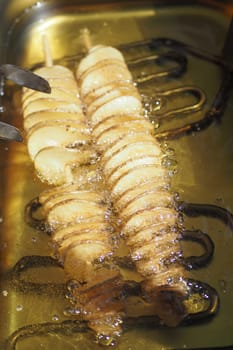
pixel 201 163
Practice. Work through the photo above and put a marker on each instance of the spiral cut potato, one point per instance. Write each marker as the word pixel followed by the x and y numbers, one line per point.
pixel 82 236
pixel 59 143
pixel 57 136
pixel 131 164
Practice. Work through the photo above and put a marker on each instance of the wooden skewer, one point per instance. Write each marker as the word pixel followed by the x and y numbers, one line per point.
pixel 86 38
pixel 47 51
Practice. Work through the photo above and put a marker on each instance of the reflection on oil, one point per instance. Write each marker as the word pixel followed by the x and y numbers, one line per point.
pixel 20 185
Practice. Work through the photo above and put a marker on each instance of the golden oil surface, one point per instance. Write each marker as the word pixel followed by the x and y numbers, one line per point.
pixel 204 164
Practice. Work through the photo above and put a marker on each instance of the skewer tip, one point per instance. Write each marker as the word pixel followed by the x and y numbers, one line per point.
pixel 86 38
pixel 47 51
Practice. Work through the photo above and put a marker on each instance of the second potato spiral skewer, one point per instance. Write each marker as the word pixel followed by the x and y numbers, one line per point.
pixel 131 161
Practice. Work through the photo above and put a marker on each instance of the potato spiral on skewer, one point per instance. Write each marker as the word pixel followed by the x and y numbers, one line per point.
pixel 82 237
pixel 76 211
pixel 57 135
pixel 131 162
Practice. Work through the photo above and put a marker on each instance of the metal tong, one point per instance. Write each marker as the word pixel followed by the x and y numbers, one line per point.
pixel 20 77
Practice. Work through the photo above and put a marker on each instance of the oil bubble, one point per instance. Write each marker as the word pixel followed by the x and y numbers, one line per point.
pixel 55 318
pixel 157 104
pixel 176 196
pixel 223 286
pixel 170 151
pixel 219 200
pixel 71 311
pixel 155 123
pixel 19 307
pixel 169 162
pixel 34 239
